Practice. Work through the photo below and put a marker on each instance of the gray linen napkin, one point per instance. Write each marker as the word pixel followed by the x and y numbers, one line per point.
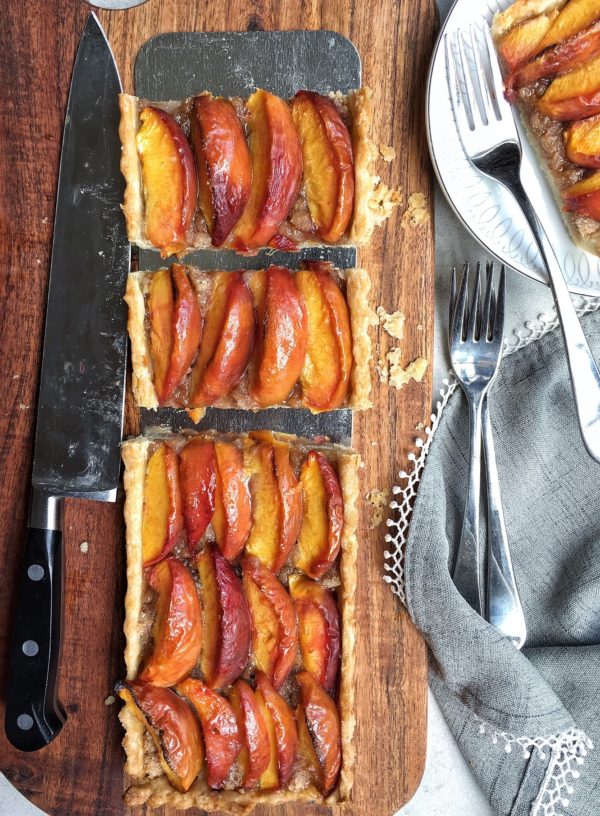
pixel 526 721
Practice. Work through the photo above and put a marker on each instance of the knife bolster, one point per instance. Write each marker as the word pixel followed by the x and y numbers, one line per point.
pixel 45 511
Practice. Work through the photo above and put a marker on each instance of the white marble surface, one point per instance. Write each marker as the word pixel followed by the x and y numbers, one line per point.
pixel 448 787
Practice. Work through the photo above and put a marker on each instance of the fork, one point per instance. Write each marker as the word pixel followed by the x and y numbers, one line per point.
pixel 476 357
pixel 489 136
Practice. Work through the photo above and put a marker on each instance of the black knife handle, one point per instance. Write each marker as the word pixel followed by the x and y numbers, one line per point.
pixel 34 717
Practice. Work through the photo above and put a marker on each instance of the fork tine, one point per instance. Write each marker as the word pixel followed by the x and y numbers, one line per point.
pixel 502 106
pixel 488 312
pixel 458 107
pixel 458 319
pixel 475 311
pixel 488 108
pixel 499 311
pixel 452 303
pixel 468 82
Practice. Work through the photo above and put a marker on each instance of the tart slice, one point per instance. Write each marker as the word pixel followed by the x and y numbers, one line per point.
pixel 250 339
pixel 550 55
pixel 251 173
pixel 240 672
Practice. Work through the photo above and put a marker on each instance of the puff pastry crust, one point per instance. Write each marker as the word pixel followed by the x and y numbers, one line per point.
pixel 147 784
pixel 358 285
pixel 373 200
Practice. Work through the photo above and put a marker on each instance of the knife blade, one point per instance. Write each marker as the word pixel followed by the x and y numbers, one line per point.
pixel 82 380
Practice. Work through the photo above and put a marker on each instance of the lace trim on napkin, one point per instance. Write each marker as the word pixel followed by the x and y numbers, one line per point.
pixel 569 748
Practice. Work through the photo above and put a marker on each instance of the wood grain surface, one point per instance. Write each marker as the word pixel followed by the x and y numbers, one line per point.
pixel 80 774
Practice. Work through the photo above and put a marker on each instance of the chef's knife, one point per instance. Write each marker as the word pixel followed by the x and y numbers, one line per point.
pixel 82 381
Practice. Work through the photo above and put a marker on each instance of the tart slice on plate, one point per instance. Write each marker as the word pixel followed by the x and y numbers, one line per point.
pixel 550 54
pixel 251 173
pixel 239 621
pixel 250 339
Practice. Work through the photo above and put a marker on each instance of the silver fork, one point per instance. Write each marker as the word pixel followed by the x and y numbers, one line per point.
pixel 475 360
pixel 489 137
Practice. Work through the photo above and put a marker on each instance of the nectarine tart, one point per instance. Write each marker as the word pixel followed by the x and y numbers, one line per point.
pixel 550 54
pixel 251 173
pixel 250 339
pixel 239 621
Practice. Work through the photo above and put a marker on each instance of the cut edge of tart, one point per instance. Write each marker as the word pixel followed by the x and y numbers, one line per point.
pixel 147 783
pixel 374 201
pixel 357 288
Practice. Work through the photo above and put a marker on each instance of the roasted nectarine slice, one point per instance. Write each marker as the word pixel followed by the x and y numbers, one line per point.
pixel 282 337
pixel 575 95
pixel 177 627
pixel 269 779
pixel 232 519
pixel 320 535
pixel 185 332
pixel 197 471
pixel 323 723
pixel 222 740
pixel 561 58
pixel 226 620
pixel 276 170
pixel 173 727
pixel 521 41
pixel 328 163
pixel 582 142
pixel 256 752
pixel 169 179
pixel 228 340
pixel 574 17
pixel 284 723
pixel 325 376
pixel 160 314
pixel 583 198
pixel 265 533
pixel 224 168
pixel 274 628
pixel 318 628
pixel 290 497
pixel 162 516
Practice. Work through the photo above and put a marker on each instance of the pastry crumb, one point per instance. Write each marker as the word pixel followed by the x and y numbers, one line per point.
pixel 109 700
pixel 420 327
pixel 419 426
pixel 378 499
pixel 84 547
pixel 388 153
pixel 382 370
pixel 23 406
pixel 398 375
pixel 417 212
pixel 392 323
pixel 382 202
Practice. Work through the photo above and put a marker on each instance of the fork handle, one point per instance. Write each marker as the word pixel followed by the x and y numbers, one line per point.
pixel 467 570
pixel 504 610
pixel 585 376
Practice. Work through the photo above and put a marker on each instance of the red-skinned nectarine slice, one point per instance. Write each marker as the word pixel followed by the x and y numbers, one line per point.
pixel 224 168
pixel 256 752
pixel 226 620
pixel 575 95
pixel 169 179
pixel 173 727
pixel 276 170
pixel 281 339
pixel 284 723
pixel 185 332
pixel 323 723
pixel 197 471
pixel 162 515
pixel 319 539
pixel 582 142
pixel 222 740
pixel 232 519
pixel 275 652
pixel 265 534
pixel 161 307
pixel 583 198
pixel 177 627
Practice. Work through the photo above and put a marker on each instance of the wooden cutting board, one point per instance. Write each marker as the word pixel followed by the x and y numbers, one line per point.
pixel 80 774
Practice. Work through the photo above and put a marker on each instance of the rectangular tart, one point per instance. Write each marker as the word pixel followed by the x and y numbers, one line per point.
pixel 194 581
pixel 245 174
pixel 250 339
pixel 550 55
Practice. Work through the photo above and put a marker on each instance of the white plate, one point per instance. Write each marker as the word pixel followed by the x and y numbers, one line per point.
pixel 488 210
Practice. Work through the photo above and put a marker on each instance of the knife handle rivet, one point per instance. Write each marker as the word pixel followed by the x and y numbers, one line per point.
pixel 25 722
pixel 30 648
pixel 35 572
